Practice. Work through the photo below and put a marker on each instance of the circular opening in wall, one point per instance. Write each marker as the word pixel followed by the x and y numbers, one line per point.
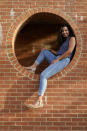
pixel 38 32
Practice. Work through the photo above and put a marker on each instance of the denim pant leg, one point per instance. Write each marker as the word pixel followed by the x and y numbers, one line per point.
pixel 50 71
pixel 45 54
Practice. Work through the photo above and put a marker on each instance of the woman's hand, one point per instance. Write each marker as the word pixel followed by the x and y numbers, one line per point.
pixel 54 61
pixel 54 52
pixel 43 49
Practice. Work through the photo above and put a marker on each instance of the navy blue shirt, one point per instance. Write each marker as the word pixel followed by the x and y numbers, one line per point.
pixel 64 48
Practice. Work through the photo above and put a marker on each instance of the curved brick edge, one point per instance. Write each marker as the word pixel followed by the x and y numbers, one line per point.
pixel 15 28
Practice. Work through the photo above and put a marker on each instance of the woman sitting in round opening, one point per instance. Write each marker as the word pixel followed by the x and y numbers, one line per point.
pixel 58 60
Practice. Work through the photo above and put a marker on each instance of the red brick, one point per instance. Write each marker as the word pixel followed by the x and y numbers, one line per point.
pixel 66 92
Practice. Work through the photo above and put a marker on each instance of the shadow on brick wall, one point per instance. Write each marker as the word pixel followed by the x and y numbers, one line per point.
pixel 17 94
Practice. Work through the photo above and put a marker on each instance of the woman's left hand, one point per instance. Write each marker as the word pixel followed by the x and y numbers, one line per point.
pixel 54 61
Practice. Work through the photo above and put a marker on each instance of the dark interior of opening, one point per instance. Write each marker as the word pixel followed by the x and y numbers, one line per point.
pixel 38 32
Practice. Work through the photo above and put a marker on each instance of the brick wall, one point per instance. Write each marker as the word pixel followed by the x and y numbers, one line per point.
pixel 65 100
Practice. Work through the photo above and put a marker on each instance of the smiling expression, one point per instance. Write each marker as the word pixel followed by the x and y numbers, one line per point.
pixel 65 32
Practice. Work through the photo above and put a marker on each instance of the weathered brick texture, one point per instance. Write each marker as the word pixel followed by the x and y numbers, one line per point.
pixel 65 100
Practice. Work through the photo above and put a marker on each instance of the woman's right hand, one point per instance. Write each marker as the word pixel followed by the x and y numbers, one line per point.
pixel 53 51
pixel 50 50
pixel 43 49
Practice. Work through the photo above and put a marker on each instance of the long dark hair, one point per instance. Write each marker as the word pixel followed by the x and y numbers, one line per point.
pixel 61 39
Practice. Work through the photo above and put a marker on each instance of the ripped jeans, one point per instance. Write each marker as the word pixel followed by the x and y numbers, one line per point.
pixel 51 70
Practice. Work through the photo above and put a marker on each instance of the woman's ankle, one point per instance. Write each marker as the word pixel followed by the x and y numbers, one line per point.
pixel 33 66
pixel 40 98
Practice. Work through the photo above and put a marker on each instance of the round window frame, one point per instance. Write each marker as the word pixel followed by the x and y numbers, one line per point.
pixel 15 28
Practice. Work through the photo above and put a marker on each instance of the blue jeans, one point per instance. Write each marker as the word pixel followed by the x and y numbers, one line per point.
pixel 51 70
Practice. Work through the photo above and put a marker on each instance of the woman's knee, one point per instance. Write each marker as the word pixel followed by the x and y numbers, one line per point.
pixel 44 51
pixel 43 75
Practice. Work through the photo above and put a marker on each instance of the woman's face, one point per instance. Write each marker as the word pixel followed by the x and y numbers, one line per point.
pixel 65 32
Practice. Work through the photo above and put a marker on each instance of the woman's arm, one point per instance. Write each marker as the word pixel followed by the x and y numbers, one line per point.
pixel 72 43
pixel 53 51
